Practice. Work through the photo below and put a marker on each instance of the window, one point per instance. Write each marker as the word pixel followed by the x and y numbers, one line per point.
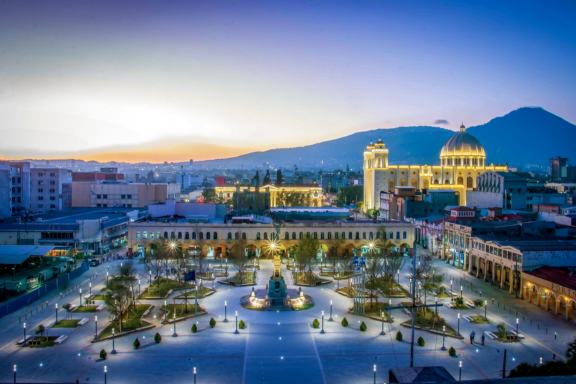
pixel 286 236
pixel 215 236
pixel 357 235
pixel 315 235
pixel 151 235
pixel 40 174
pixel 52 197
pixel 179 235
pixel 52 174
pixel 265 235
pixel 237 236
pixel 363 235
pixel 397 235
pixel 200 236
pixel 52 190
pixel 193 235
pixel 336 235
pixel 371 235
pixel 350 236
pixel 52 206
pixel 330 235
pixel 404 234
pixel 172 235
pixel 98 196
pixel 104 196
pixel 343 235
pixel 129 205
pixel 293 235
pixel 321 235
pixel 207 235
pixel 129 196
pixel 52 182
pixel 40 205
pixel 145 234
pixel 243 235
pixel 257 235
pixel 391 235
pixel 122 196
pixel 137 235
pixel 40 182
pixel 98 205
pixel 159 235
pixel 229 235
pixel 40 197
pixel 300 235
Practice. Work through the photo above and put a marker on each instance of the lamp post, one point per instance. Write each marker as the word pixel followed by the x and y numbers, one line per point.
pixel 382 333
pixel 460 379
pixel 165 313
pixel 236 323
pixel 14 372
pixel 451 296
pixel 90 285
pixel 410 279
pixel 371 247
pixel 398 278
pixel 225 312
pixel 374 374
pixel 458 332
pixel 322 331
pixel 24 344
pixel 139 288
pixel 517 335
pixel 194 375
pixel 485 305
pixel 80 294
pixel 461 288
pixel 95 327
pixel 56 314
pixel 330 319
pixel 443 338
pixel 174 317
pixel 113 352
pixel 436 302
pixel 107 279
pixel 105 375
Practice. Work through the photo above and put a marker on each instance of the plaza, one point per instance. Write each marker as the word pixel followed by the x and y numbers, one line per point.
pixel 275 346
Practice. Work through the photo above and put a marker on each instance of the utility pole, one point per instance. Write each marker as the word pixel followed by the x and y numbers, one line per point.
pixel 504 368
pixel 413 302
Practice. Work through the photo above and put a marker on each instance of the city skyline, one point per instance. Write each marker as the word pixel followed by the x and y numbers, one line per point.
pixel 157 82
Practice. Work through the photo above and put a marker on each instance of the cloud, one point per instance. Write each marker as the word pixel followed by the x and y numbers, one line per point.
pixel 441 121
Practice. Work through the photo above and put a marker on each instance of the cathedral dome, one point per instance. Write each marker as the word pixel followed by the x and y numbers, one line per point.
pixel 462 144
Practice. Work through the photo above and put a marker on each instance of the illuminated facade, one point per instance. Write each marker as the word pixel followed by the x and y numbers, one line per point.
pixel 312 194
pixel 462 159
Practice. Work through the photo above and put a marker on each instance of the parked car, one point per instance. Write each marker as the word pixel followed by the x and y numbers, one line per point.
pixel 94 262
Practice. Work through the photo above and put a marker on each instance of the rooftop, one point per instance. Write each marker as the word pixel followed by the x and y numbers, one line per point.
pixel 560 276
pixel 17 254
pixel 531 243
pixel 74 214
pixel 310 209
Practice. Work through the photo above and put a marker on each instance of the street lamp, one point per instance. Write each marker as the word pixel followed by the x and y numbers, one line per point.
pixel 461 288
pixel 174 317
pixel 225 312
pixel 382 333
pixel 107 278
pixel 194 375
pixel 56 314
pixel 95 327
pixel 236 323
pixel 451 296
pixel 80 294
pixel 322 331
pixel 436 302
pixel 443 338
pixel 458 333
pixel 517 335
pixel 90 284
pixel 398 279
pixel 374 374
pixel 371 247
pixel 105 375
pixel 24 344
pixel 330 319
pixel 139 290
pixel 14 372
pixel 460 379
pixel 113 352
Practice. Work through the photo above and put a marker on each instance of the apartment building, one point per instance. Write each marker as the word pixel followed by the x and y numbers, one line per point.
pixel 132 195
pixel 14 187
pixel 49 189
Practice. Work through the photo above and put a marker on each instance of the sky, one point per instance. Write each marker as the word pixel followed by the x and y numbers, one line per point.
pixel 177 80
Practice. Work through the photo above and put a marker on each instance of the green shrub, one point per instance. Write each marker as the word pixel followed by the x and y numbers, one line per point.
pixel 241 324
pixel 194 328
pixel 344 322
pixel 452 352
pixel 363 327
pixel 103 354
pixel 421 341
pixel 316 323
pixel 136 343
pixel 399 336
pixel 157 338
pixel 212 322
pixel 459 301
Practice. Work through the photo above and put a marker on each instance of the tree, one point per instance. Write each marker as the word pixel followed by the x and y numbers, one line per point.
pixel 103 354
pixel 333 245
pixel 209 195
pixel 127 269
pixel 238 255
pixel 306 254
pixel 315 323
pixel 136 343
pixel 279 178
pixel 363 327
pixel 479 304
pixel 266 180
pixel 399 336
pixel 156 266
pixel 452 352
pixel 344 322
pixel 373 273
pixel 157 338
pixel 40 330
pixel 194 328
pixel 421 341
pixel 212 322
pixel 350 195
pixel 241 324
pixel 117 299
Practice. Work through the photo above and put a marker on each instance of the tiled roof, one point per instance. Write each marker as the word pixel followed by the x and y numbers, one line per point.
pixel 557 276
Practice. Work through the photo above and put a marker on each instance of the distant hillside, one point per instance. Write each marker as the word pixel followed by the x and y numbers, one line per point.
pixel 527 135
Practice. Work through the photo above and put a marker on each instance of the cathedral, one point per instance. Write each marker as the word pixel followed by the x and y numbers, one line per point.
pixel 462 159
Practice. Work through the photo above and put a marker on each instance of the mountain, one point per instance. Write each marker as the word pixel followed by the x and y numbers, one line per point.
pixel 526 135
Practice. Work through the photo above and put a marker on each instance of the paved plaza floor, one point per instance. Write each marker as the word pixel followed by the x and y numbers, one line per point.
pixel 275 347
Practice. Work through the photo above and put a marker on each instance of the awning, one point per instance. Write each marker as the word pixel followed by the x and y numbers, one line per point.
pixel 17 254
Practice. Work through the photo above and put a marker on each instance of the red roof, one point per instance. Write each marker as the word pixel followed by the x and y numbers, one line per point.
pixel 462 209
pixel 557 276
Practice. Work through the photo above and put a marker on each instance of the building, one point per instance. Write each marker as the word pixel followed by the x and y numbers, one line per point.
pixel 510 191
pixel 172 208
pixel 311 213
pixel 563 187
pixel 285 195
pixel 462 160
pixel 215 239
pixel 14 188
pixel 331 180
pixel 50 189
pixel 77 229
pixel 558 168
pixel 133 195
pixel 407 202
pixel 109 175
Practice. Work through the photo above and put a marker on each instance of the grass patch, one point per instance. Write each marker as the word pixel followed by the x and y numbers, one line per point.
pixel 348 291
pixel 86 308
pixel 66 324
pixel 389 288
pixel 181 310
pixel 160 289
pixel 44 341
pixel 304 307
pixel 462 307
pixel 340 274
pixel 443 295
pixel 191 293
pixel 480 320
pixel 131 321
pixel 98 297
pixel 375 310
pixel 247 278
pixel 306 278
pixel 426 319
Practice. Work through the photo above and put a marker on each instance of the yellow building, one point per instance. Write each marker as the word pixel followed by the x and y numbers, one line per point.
pixel 311 193
pixel 462 159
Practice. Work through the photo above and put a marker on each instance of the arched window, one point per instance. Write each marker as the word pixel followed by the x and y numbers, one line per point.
pixel 404 234
pixel 378 235
pixel 391 235
pixel 179 235
pixel 350 236
pixel 307 234
pixel 300 235
pixel 215 236
pixel 151 235
pixel 414 183
pixel 293 235
pixel 286 236
pixel 265 235
pixel 469 183
pixel 236 236
pixel 363 235
pixel 193 235
pixel 243 235
pixel 207 235
pixel 315 235
pixel 403 182
pixel 436 182
pixel 159 235
pixel 336 235
pixel 344 235
pixel 137 235
pixel 398 235
pixel 165 234
pixel 426 184
pixel 200 236
pixel 229 235
pixel 391 185
pixel 186 235
pixel 321 235
pixel 272 235
pixel 460 181
pixel 145 234
pixel 329 235
pixel 172 235
pixel 371 235
pixel 357 235
pixel 257 235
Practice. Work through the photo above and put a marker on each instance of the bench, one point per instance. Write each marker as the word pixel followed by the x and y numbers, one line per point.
pixel 491 335
pixel 60 340
pixel 470 304
pixel 448 305
pixel 72 307
pixel 101 307
pixel 83 321
pixel 468 318
pixel 519 335
pixel 28 337
pixel 407 312
pixel 87 296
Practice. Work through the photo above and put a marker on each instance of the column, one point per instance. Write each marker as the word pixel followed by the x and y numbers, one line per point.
pixel 478 261
pixel 470 264
pixel 568 308
pixel 530 294
pixel 511 281
pixel 493 271
pixel 502 276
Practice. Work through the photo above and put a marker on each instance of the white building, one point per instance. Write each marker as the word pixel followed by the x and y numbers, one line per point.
pixel 50 189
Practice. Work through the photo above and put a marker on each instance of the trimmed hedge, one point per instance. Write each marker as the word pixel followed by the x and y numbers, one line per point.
pixel 103 354
pixel 452 352
pixel 363 327
pixel 157 338
pixel 241 324
pixel 194 328
pixel 212 322
pixel 136 343
pixel 316 323
pixel 399 336
pixel 344 322
pixel 421 341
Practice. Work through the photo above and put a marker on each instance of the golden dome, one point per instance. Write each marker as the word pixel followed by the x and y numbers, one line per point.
pixel 462 144
pixel 370 146
pixel 379 143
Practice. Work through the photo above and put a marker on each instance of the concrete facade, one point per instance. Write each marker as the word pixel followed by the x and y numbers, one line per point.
pixel 46 189
pixel 132 195
pixel 15 188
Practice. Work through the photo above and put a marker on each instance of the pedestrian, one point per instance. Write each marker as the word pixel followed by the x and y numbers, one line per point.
pixel 483 337
pixel 553 356
pixel 472 335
